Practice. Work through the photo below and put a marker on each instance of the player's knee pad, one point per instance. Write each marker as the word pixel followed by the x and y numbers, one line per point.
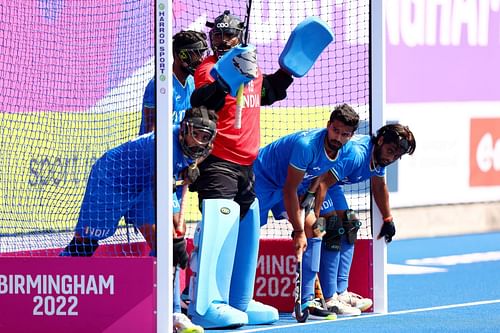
pixel 212 259
pixel 351 225
pixel 333 233
pixel 245 263
pixel 318 227
pixel 83 248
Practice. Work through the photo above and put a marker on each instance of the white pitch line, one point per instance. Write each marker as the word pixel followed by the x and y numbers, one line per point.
pixel 317 322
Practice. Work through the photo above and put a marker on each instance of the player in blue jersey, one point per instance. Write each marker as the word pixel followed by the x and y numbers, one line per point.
pixel 189 49
pixel 285 167
pixel 374 154
pixel 123 181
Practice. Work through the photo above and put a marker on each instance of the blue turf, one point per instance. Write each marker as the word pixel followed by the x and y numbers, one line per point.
pixel 462 283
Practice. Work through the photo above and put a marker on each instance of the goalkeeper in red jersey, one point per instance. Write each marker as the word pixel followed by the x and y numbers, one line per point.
pixel 227 172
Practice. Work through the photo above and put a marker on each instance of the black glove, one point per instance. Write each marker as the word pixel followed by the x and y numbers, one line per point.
pixel 181 257
pixel 307 203
pixel 193 173
pixel 388 231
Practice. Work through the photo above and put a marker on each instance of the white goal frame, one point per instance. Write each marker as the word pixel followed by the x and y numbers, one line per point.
pixel 164 167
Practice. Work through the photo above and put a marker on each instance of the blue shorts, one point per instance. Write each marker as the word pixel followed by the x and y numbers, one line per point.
pixel 272 200
pixel 334 200
pixel 335 195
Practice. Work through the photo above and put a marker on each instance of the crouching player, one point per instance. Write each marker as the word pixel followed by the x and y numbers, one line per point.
pixel 282 171
pixel 122 182
pixel 374 154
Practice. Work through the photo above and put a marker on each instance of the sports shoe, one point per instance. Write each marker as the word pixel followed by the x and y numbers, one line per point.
pixel 218 315
pixel 355 300
pixel 182 324
pixel 316 311
pixel 342 309
pixel 259 313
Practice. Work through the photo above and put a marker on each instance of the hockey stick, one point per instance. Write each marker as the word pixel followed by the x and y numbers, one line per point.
pixel 180 227
pixel 185 186
pixel 318 293
pixel 183 204
pixel 300 316
pixel 240 101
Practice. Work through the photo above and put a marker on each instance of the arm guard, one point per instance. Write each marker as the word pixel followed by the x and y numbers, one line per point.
pixel 212 95
pixel 274 87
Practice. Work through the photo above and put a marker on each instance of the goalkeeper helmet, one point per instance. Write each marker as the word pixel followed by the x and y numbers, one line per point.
pixel 226 32
pixel 191 48
pixel 198 130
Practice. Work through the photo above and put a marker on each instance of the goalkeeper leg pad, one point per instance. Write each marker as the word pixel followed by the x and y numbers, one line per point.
pixel 83 248
pixel 212 264
pixel 245 266
pixel 310 266
pixel 334 232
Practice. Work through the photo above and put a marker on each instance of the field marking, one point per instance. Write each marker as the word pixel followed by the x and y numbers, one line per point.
pixel 395 269
pixel 468 258
pixel 317 322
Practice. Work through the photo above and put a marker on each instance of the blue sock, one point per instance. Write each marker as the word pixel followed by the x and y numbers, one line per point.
pixel 310 266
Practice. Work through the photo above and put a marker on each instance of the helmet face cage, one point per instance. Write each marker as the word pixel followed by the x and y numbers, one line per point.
pixel 226 33
pixel 192 56
pixel 223 41
pixel 201 134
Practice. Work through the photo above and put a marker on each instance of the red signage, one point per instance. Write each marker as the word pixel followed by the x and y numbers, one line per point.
pixel 275 276
pixel 484 158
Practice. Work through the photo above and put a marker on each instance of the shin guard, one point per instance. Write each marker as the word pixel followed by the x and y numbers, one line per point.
pixel 328 271
pixel 212 264
pixel 310 266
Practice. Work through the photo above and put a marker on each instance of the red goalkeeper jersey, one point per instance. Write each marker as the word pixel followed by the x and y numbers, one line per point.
pixel 235 145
